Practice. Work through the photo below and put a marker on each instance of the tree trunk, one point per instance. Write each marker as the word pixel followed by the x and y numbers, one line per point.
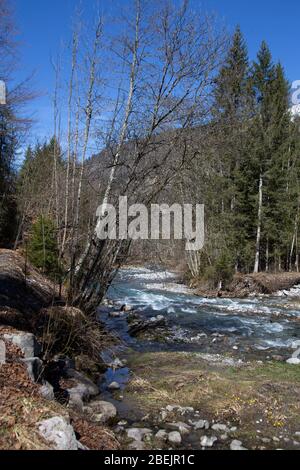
pixel 259 220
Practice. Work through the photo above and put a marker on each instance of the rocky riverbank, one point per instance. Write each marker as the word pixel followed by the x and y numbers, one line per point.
pixel 203 373
pixel 244 285
pixel 48 399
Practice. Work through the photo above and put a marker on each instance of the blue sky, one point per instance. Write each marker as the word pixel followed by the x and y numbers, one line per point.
pixel 44 24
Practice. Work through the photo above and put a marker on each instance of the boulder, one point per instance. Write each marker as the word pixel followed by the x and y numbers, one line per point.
pixel 34 368
pixel 85 388
pixel 47 392
pixel 58 433
pixel 101 411
pixel 25 341
pixel 2 353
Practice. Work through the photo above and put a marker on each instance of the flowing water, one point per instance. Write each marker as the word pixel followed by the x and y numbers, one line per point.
pixel 261 323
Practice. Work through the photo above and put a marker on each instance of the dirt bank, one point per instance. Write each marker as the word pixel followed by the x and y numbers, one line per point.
pixel 48 354
pixel 244 285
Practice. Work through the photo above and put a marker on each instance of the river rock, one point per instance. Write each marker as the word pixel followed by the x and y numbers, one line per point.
pixel 183 428
pixel 138 434
pixel 220 427
pixel 84 387
pixel 296 353
pixel 101 411
pixel 208 441
pixel 58 433
pixel 174 437
pixel 126 308
pixel 162 435
pixel 46 391
pixel 237 445
pixel 201 424
pixel 114 386
pixel 115 314
pixel 294 361
pixel 137 445
pixel 118 363
pixel 75 401
pixel 171 408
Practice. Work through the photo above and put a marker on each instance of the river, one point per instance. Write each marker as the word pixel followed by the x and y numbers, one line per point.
pixel 263 323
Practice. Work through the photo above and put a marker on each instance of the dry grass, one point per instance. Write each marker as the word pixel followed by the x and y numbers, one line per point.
pixel 267 394
pixel 67 331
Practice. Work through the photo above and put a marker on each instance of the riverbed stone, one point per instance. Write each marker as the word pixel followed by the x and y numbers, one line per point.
pixel 138 434
pixel 201 424
pixel 237 445
pixel 114 386
pixel 46 391
pixel 174 437
pixel 162 435
pixel 137 445
pixel 293 361
pixel 220 427
pixel 208 441
pixel 58 433
pixel 84 387
pixel 181 427
pixel 115 314
pixel 101 411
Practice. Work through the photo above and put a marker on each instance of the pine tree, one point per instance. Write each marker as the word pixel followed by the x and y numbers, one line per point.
pixel 42 247
pixel 233 108
pixel 8 210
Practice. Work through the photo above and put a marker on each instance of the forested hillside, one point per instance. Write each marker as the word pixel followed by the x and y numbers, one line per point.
pixel 191 120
